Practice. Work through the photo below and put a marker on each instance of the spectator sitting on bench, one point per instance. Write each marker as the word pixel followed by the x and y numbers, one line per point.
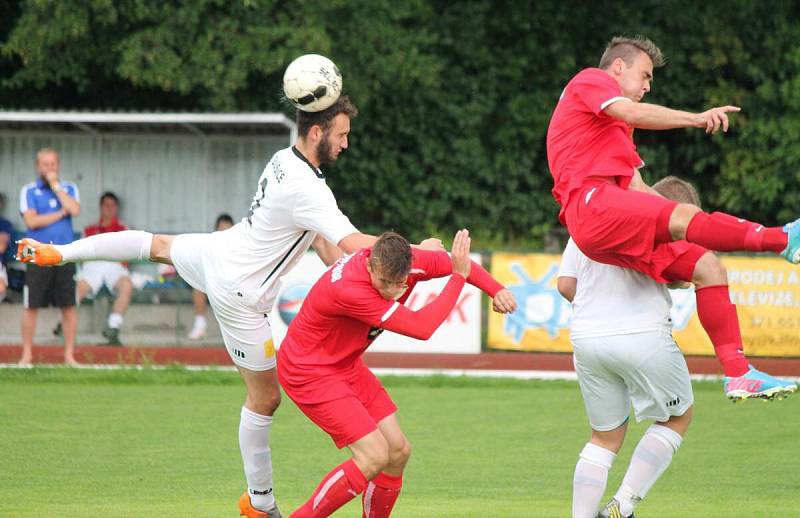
pixel 113 275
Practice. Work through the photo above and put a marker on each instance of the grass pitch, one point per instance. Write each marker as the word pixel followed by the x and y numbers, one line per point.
pixel 78 443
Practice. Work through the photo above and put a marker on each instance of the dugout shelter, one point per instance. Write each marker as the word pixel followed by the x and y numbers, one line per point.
pixel 173 172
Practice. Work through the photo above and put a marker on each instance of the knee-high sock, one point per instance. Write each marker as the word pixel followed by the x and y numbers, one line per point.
pixel 380 496
pixel 650 458
pixel 589 482
pixel 127 245
pixel 254 445
pixel 338 487
pixel 725 233
pixel 721 322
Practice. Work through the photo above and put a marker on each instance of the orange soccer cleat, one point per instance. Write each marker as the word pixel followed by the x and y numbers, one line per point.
pixel 246 509
pixel 31 251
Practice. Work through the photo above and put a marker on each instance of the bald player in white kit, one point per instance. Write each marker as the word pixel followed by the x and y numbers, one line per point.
pixel 240 270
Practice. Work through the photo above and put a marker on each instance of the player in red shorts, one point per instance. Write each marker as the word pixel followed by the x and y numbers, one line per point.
pixel 321 368
pixel 615 218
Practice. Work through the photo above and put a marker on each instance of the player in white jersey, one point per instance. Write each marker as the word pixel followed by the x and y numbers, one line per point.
pixel 625 355
pixel 240 270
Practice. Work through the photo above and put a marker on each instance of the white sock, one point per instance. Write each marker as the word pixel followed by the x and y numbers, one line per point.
pixel 589 482
pixel 128 245
pixel 254 443
pixel 115 320
pixel 650 458
pixel 199 322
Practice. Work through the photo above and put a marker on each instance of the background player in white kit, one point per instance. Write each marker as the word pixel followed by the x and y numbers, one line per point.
pixel 240 270
pixel 625 355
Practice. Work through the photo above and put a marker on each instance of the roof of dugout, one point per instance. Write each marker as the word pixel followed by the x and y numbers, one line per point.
pixel 104 123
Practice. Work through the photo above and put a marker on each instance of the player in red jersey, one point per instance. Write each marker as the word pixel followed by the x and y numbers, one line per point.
pixel 615 218
pixel 321 368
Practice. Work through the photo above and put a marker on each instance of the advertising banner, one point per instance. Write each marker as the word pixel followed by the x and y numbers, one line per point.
pixel 765 290
pixel 461 332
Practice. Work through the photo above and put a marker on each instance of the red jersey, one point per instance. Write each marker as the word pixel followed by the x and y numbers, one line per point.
pixel 113 226
pixel 342 314
pixel 582 141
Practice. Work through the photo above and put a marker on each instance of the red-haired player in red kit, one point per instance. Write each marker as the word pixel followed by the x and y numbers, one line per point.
pixel 617 219
pixel 321 368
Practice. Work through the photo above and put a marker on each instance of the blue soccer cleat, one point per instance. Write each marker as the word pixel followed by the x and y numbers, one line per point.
pixel 792 251
pixel 757 384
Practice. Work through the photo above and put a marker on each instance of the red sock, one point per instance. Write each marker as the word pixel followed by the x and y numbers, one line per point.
pixel 338 487
pixel 380 496
pixel 725 233
pixel 719 319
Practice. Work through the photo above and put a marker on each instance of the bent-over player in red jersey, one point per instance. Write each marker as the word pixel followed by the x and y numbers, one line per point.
pixel 321 368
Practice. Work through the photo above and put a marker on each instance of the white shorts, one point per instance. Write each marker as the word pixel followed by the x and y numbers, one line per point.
pixel 646 370
pixel 98 273
pixel 245 331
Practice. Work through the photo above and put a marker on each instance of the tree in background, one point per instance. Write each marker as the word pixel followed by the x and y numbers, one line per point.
pixel 454 96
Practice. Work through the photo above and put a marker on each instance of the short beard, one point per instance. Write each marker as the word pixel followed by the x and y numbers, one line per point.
pixel 324 154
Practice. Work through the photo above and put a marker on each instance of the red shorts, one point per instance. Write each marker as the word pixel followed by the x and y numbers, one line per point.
pixel 361 405
pixel 615 226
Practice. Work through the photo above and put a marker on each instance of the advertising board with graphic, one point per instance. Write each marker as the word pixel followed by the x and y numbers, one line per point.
pixel 461 332
pixel 766 291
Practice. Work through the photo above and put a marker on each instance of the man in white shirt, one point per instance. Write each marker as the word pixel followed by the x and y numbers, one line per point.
pixel 240 270
pixel 625 355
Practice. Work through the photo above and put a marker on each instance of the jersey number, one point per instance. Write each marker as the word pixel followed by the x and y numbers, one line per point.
pixel 257 199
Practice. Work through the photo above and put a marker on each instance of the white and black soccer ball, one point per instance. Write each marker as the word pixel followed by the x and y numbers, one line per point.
pixel 312 83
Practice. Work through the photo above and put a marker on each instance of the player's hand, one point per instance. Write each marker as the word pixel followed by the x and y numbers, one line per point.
pixel 504 301
pixel 459 253
pixel 715 118
pixel 432 243
pixel 52 178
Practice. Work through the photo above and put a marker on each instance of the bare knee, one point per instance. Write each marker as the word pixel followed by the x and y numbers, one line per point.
pixel 709 271
pixel 610 440
pixel 124 286
pixel 399 455
pixel 83 289
pixel 160 248
pixel 373 459
pixel 680 218
pixel 680 423
pixel 264 401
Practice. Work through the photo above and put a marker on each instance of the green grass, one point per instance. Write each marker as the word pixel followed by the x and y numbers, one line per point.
pixel 164 443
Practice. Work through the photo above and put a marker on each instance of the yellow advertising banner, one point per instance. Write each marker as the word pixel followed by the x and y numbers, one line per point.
pixel 765 290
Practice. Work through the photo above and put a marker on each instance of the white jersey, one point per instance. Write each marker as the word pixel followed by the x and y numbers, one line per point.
pixel 611 300
pixel 291 206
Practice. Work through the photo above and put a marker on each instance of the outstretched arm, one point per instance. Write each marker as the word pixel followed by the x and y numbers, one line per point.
pixel 355 242
pixel 422 323
pixel 655 117
pixel 326 251
pixel 439 265
pixel 502 299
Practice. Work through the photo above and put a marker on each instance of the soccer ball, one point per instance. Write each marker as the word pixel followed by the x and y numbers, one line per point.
pixel 290 301
pixel 312 83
